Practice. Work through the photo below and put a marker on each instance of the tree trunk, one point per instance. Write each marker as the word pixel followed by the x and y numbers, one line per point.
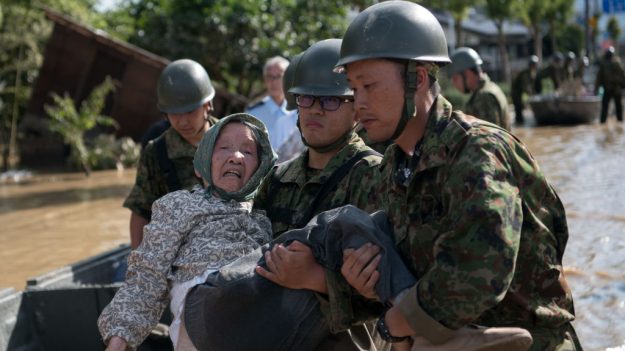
pixel 458 30
pixel 552 37
pixel 503 53
pixel 538 41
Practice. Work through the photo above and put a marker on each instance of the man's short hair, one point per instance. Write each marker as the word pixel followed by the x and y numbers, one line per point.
pixel 276 61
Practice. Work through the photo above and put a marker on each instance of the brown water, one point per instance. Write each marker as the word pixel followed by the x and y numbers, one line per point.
pixel 53 221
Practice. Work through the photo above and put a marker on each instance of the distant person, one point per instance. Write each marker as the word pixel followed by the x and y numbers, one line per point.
pixel 611 76
pixel 523 83
pixel 193 234
pixel 554 71
pixel 185 96
pixel 570 66
pixel 272 109
pixel 293 145
pixel 487 100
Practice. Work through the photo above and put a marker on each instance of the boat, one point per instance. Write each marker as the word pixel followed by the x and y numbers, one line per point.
pixel 565 109
pixel 58 310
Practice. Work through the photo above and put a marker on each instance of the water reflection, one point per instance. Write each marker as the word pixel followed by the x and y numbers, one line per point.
pixel 586 165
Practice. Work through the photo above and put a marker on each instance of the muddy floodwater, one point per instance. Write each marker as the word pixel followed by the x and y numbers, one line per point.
pixel 53 220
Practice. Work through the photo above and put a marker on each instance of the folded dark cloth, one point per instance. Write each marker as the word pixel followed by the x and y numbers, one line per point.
pixel 237 309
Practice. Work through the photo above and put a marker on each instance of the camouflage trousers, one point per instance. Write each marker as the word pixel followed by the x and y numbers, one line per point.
pixel 563 339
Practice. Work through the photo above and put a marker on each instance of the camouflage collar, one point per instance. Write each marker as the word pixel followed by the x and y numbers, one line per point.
pixel 296 170
pixel 177 146
pixel 443 131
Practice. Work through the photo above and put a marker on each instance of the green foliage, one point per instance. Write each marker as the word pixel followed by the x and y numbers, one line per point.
pixel 72 124
pixel 106 152
pixel 233 38
pixel 614 29
pixel 571 38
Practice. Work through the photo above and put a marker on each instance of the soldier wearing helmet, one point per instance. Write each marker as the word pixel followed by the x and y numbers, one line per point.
pixel 554 71
pixel 610 76
pixel 487 100
pixel 523 83
pixel 185 96
pixel 334 166
pixel 475 220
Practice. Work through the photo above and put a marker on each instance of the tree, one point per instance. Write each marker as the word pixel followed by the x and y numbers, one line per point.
pixel 531 13
pixel 613 29
pixel 459 10
pixel 557 15
pixel 72 124
pixel 500 11
pixel 233 38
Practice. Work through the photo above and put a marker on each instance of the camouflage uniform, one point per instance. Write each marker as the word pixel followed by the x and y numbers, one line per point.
pixel 480 228
pixel 489 103
pixel 299 184
pixel 611 76
pixel 150 184
pixel 523 83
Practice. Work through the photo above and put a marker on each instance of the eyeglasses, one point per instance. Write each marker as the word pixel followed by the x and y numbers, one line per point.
pixel 328 103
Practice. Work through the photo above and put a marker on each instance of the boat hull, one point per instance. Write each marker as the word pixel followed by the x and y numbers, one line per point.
pixel 549 110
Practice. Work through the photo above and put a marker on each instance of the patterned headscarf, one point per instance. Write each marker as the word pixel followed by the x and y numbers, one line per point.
pixel 267 158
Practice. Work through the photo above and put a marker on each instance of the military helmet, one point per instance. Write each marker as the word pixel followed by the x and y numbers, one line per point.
pixel 287 81
pixel 609 52
pixel 315 74
pixel 462 59
pixel 534 60
pixel 183 86
pixel 394 29
pixel 570 56
pixel 558 56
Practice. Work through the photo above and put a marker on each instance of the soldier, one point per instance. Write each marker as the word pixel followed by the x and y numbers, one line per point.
pixel 523 83
pixel 487 100
pixel 570 66
pixel 611 76
pixel 185 96
pixel 473 216
pixel 554 71
pixel 335 165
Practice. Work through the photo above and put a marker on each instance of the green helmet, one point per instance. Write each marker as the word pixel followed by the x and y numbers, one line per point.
pixel 315 72
pixel 287 81
pixel 394 29
pixel 183 86
pixel 464 58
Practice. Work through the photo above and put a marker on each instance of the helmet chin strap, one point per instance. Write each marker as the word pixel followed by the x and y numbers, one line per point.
pixel 409 109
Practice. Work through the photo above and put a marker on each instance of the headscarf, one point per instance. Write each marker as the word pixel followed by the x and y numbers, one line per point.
pixel 204 152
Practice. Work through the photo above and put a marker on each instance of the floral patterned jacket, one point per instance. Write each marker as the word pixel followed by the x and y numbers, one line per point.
pixel 189 234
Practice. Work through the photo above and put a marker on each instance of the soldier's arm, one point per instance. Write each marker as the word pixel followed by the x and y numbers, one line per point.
pixel 136 229
pixel 479 243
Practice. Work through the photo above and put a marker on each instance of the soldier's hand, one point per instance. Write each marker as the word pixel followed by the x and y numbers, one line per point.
pixel 294 267
pixel 360 269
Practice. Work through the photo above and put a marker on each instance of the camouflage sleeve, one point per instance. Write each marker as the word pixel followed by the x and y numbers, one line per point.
pixel 260 200
pixel 477 249
pixel 147 187
pixel 139 303
pixel 361 190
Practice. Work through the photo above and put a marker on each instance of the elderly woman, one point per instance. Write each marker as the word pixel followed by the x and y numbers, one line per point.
pixel 194 233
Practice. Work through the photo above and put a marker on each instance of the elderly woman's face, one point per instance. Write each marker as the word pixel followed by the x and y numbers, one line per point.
pixel 235 157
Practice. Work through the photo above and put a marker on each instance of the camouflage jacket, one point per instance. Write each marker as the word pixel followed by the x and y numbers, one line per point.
pixel 481 230
pixel 150 183
pixel 611 76
pixel 523 83
pixel 489 103
pixel 297 186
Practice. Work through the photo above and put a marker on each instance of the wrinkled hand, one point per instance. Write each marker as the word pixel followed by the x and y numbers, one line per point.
pixel 116 344
pixel 293 267
pixel 360 269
